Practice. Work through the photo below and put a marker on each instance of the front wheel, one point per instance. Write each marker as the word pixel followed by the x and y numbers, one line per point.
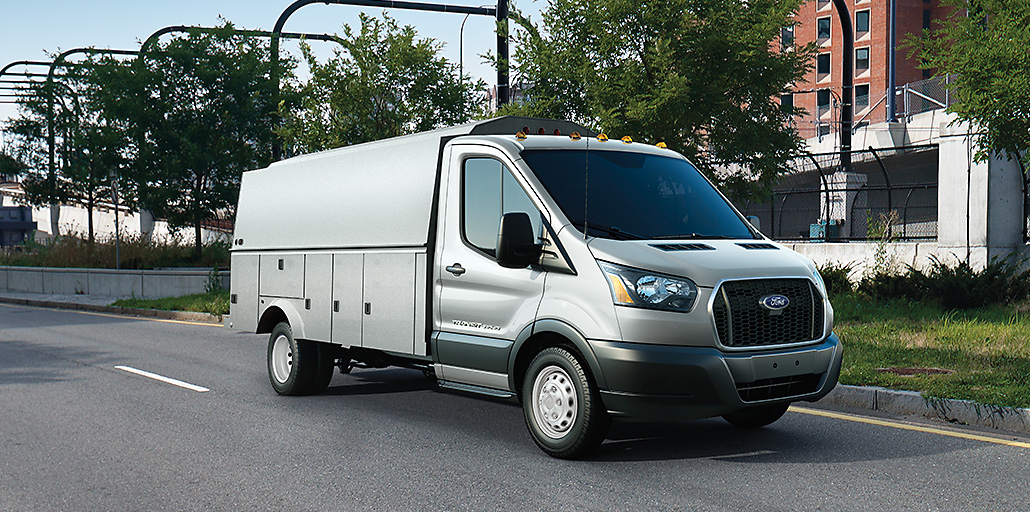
pixel 563 408
pixel 297 367
pixel 755 417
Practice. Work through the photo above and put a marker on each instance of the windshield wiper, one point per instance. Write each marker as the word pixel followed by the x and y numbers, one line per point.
pixel 610 230
pixel 691 236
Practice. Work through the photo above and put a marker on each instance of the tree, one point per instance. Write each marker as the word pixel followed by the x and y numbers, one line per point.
pixel 41 184
pixel 385 82
pixel 703 76
pixel 202 112
pixel 985 46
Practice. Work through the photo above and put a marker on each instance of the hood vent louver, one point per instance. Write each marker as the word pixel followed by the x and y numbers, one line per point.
pixel 752 247
pixel 683 247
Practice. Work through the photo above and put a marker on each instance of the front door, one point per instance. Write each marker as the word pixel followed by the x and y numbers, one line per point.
pixel 482 306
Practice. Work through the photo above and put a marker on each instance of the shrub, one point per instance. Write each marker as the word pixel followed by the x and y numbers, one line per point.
pixel 955 287
pixel 135 253
pixel 837 277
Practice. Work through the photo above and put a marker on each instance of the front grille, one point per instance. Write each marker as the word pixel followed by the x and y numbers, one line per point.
pixel 742 321
pixel 780 387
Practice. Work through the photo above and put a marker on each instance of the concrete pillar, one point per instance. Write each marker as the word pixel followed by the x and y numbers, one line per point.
pixel 844 197
pixel 146 224
pixel 979 204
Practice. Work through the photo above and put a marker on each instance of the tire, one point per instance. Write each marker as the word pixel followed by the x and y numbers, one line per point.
pixel 562 405
pixel 755 417
pixel 297 367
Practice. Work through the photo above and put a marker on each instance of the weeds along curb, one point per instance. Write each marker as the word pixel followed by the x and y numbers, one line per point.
pixel 912 403
pixel 184 316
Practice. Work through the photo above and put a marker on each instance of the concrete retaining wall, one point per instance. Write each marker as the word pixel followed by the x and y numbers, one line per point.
pixel 146 284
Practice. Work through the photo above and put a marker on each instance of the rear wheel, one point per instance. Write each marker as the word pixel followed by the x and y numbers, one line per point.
pixel 297 367
pixel 755 417
pixel 563 408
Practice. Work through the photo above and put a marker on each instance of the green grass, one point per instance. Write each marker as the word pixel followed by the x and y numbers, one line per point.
pixel 216 303
pixel 987 350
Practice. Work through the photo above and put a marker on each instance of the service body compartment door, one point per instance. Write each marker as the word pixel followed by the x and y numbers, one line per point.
pixel 388 321
pixel 348 305
pixel 243 298
pixel 318 293
pixel 282 275
pixel 476 296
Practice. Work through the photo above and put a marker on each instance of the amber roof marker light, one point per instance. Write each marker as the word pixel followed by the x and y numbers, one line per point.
pixel 627 139
pixel 520 136
pixel 602 137
pixel 574 136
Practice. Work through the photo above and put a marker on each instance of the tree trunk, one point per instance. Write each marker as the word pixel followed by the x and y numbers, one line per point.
pixel 89 214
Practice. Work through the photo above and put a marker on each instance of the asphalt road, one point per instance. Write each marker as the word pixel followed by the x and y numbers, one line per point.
pixel 78 433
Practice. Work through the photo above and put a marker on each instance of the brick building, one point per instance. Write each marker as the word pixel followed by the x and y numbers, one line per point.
pixel 820 94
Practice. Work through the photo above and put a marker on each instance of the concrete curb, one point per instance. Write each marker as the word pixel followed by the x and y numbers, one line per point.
pixel 184 316
pixel 912 403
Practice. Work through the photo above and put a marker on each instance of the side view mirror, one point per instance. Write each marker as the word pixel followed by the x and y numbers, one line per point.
pixel 516 243
pixel 753 219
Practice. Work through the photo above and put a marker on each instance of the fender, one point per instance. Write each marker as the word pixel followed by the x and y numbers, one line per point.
pixel 565 330
pixel 292 315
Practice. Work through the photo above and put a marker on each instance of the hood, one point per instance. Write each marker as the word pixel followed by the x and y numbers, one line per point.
pixel 706 262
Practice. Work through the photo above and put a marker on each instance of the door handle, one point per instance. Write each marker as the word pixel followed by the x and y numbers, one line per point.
pixel 456 269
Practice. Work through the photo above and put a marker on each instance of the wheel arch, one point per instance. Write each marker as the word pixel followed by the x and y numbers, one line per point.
pixel 549 333
pixel 280 311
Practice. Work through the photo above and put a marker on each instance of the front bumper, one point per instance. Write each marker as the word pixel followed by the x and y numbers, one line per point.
pixel 673 382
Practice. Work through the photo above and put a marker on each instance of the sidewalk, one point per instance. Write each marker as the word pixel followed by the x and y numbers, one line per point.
pixel 887 401
pixel 101 304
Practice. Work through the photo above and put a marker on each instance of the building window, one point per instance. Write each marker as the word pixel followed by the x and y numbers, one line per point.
pixel 787 37
pixel 823 64
pixel 926 20
pixel 824 129
pixel 862 21
pixel 861 97
pixel 823 28
pixel 787 103
pixel 861 59
pixel 823 99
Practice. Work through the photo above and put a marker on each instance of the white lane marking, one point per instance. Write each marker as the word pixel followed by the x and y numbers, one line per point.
pixel 162 378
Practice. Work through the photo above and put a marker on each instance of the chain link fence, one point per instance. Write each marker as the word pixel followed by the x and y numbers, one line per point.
pixel 890 192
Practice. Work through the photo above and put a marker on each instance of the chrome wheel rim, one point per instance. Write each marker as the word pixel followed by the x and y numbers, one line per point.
pixel 554 402
pixel 282 359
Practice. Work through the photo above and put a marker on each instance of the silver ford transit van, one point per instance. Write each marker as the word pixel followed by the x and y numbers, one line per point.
pixel 588 278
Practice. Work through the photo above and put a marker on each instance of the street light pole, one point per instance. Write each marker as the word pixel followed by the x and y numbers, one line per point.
pixel 500 13
pixel 847 83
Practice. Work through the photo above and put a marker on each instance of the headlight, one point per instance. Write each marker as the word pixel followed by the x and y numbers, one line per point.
pixel 632 287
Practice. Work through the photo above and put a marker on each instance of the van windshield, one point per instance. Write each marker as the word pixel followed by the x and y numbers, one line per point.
pixel 627 196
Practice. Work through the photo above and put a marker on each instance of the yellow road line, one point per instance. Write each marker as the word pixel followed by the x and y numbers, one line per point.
pixel 907 426
pixel 112 315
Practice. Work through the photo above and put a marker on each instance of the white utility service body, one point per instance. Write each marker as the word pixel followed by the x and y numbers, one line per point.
pixel 389 253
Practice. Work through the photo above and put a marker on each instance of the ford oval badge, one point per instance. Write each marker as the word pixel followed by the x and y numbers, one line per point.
pixel 774 302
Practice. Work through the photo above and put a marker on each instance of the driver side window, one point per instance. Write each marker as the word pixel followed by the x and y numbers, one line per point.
pixel 489 190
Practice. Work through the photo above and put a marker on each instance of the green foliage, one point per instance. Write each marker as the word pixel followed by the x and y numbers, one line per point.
pixel 701 75
pixel 136 253
pixel 837 278
pixel 385 82
pixel 212 302
pixel 986 54
pixel 214 281
pixel 954 287
pixel 986 350
pixel 203 109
